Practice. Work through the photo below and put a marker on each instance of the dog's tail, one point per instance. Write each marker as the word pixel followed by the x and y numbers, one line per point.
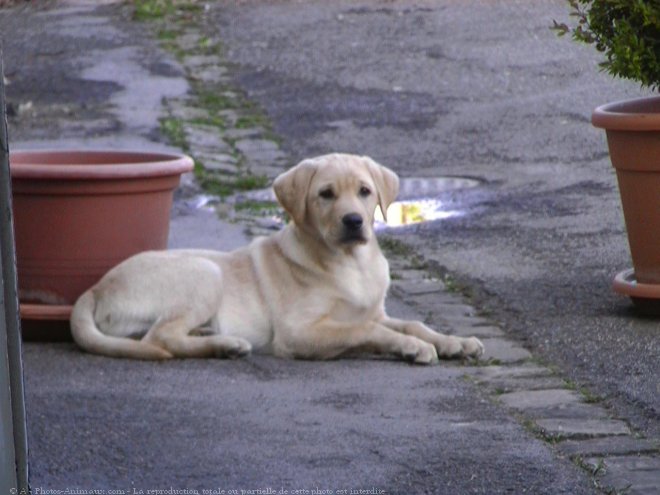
pixel 88 336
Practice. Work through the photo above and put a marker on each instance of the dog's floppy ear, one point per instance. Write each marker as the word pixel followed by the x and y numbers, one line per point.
pixel 387 184
pixel 291 189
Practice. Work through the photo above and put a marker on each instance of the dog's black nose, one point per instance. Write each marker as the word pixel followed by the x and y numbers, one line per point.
pixel 352 221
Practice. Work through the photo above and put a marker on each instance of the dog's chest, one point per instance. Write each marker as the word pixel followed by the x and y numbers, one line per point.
pixel 362 286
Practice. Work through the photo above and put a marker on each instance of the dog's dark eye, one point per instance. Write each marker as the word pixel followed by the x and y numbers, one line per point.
pixel 327 194
pixel 365 191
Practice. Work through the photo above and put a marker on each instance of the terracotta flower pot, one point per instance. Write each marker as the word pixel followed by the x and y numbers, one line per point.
pixel 633 135
pixel 79 213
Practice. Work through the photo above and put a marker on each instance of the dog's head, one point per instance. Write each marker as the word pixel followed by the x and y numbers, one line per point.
pixel 335 196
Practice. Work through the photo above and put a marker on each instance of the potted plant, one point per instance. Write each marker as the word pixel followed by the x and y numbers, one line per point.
pixel 79 213
pixel 628 34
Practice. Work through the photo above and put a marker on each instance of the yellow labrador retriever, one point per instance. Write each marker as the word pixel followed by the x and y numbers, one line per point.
pixel 314 290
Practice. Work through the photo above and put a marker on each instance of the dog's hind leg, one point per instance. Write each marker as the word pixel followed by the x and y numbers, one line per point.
pixel 173 335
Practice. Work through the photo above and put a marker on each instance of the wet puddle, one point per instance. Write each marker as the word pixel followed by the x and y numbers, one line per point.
pixel 402 213
pixel 206 202
pixel 419 201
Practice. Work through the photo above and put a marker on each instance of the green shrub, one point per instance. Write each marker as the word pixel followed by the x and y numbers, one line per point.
pixel 626 31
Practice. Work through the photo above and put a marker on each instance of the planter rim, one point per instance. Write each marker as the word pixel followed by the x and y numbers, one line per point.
pixel 625 283
pixel 95 164
pixel 45 311
pixel 637 114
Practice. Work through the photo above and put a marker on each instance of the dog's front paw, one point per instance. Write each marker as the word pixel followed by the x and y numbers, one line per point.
pixel 472 347
pixel 459 347
pixel 419 352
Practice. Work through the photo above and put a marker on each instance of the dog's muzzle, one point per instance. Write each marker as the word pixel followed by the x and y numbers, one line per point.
pixel 353 223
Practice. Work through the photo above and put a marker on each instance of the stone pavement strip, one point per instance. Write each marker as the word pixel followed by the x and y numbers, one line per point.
pixel 231 142
pixel 578 427
pixel 226 135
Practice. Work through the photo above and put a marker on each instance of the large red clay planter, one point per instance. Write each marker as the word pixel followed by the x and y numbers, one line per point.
pixel 79 213
pixel 633 136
